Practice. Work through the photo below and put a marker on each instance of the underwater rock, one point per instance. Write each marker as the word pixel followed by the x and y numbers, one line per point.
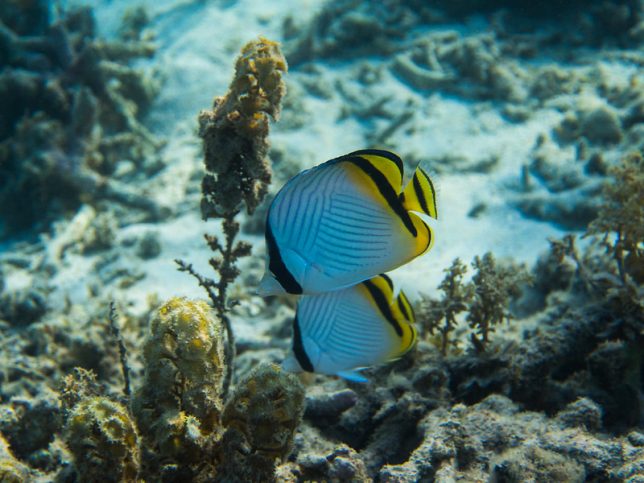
pixel 261 418
pixel 30 424
pixel 531 463
pixel 11 469
pixel 598 124
pixel 582 413
pixel 149 246
pixel 470 67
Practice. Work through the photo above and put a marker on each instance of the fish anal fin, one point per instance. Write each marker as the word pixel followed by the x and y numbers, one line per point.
pixel 420 195
pixel 353 376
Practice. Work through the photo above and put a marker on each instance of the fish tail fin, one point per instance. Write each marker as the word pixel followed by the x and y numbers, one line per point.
pixel 420 194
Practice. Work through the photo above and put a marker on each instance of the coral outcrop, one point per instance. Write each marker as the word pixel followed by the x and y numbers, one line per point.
pixel 73 110
pixel 261 418
pixel 179 405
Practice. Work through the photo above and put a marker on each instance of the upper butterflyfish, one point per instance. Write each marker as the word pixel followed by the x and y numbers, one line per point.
pixel 345 221
pixel 346 330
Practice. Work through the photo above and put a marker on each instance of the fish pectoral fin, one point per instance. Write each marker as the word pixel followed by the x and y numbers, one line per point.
pixel 269 286
pixel 420 195
pixel 353 376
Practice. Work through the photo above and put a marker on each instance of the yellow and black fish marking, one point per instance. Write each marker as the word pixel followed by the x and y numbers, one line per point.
pixel 384 170
pixel 298 348
pixel 377 166
pixel 398 312
pixel 421 185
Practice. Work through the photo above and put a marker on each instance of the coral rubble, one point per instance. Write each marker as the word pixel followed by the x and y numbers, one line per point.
pixel 73 106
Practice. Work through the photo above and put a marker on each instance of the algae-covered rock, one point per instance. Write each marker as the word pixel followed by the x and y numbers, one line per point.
pixel 261 418
pixel 104 441
pixel 533 464
pixel 179 405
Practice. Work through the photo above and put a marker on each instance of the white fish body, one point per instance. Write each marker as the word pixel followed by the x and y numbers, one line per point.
pixel 345 221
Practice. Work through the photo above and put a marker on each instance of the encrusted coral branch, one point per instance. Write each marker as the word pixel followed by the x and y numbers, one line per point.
pixel 235 143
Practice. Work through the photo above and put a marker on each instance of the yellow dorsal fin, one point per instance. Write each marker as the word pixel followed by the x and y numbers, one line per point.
pixel 404 314
pixel 405 307
pixel 388 163
pixel 420 195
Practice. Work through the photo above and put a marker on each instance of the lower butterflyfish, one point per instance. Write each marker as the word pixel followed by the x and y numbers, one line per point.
pixel 344 331
pixel 345 221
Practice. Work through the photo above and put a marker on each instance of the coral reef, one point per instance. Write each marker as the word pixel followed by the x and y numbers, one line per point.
pixel 235 144
pixel 73 107
pixel 515 108
pixel 188 432
pixel 486 299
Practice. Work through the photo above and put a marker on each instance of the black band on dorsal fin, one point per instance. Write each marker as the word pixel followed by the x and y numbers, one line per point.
pixel 403 309
pixel 298 348
pixel 276 264
pixel 419 194
pixel 386 190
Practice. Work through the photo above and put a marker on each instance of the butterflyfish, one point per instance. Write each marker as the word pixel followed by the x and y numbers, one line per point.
pixel 345 221
pixel 346 330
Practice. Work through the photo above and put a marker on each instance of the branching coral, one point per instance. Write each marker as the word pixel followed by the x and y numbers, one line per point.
pixel 622 214
pixel 486 300
pixel 494 286
pixel 235 142
pixel 439 316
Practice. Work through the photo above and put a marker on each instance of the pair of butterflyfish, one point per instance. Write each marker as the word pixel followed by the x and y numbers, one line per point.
pixel 331 233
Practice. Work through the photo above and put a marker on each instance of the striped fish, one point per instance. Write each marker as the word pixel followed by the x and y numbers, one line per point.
pixel 345 221
pixel 342 331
